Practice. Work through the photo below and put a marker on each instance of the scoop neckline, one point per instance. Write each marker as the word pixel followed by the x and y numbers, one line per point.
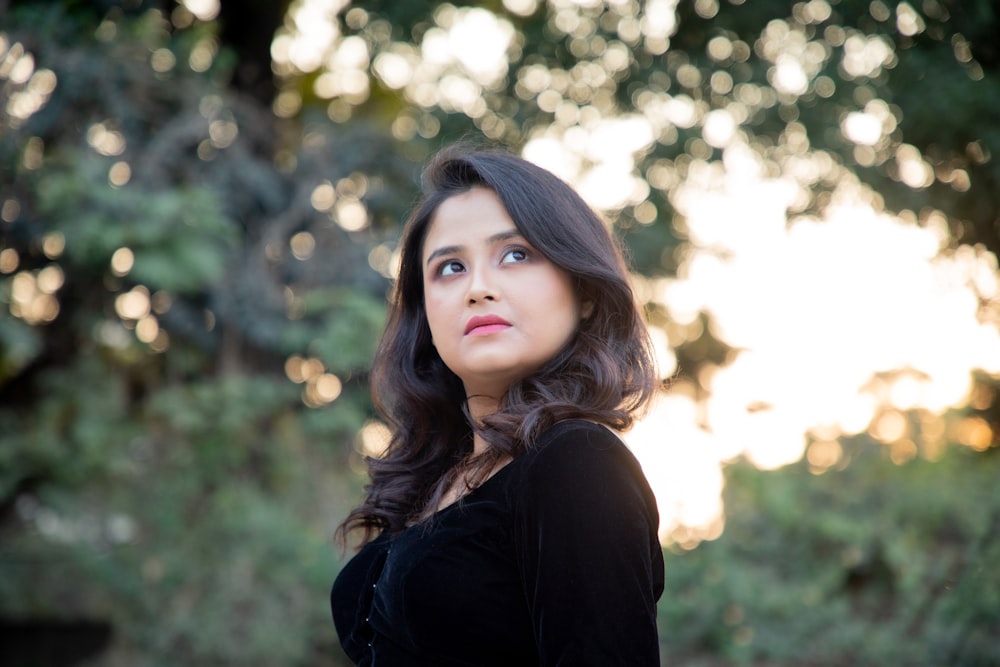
pixel 497 473
pixel 500 471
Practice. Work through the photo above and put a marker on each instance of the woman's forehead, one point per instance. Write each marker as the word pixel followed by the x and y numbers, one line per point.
pixel 471 218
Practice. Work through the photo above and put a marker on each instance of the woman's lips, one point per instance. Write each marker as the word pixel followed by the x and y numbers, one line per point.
pixel 483 325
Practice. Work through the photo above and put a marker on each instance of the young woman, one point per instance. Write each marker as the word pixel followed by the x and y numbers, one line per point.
pixel 506 524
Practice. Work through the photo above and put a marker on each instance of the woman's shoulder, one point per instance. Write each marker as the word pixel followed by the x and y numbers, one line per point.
pixel 577 437
pixel 582 477
pixel 580 450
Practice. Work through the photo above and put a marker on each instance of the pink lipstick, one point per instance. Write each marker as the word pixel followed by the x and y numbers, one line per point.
pixel 482 325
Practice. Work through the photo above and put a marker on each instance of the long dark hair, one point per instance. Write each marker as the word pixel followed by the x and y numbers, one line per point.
pixel 605 373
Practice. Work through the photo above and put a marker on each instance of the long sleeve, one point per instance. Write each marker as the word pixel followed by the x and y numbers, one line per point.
pixel 585 539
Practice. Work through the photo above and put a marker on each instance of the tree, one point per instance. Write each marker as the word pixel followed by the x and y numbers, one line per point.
pixel 169 269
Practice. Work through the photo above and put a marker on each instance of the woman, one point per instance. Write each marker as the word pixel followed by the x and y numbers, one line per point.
pixel 511 526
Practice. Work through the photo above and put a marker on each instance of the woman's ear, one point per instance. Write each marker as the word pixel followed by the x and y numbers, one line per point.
pixel 586 309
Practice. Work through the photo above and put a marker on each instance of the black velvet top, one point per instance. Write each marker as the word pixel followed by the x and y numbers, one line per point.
pixel 552 561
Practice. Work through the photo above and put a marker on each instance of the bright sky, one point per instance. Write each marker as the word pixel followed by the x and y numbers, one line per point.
pixel 836 320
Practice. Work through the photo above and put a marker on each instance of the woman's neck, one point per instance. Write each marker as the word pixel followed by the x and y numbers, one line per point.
pixel 480 407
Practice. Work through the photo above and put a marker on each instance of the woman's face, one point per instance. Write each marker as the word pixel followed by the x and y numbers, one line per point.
pixel 497 308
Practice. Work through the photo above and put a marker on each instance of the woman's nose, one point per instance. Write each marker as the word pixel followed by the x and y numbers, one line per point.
pixel 482 285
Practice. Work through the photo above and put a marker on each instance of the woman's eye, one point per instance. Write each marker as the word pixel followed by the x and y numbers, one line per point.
pixel 514 255
pixel 450 267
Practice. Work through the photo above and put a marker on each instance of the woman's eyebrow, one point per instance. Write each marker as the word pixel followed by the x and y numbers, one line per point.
pixel 495 238
pixel 446 250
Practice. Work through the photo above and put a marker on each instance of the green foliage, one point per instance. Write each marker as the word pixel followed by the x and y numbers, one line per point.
pixel 179 490
pixel 875 564
pixel 72 436
pixel 346 339
pixel 19 343
pixel 180 238
pixel 191 523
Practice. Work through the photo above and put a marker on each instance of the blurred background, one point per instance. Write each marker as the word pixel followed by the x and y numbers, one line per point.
pixel 200 203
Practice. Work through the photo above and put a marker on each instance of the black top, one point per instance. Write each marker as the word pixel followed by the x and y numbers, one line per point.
pixel 552 561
